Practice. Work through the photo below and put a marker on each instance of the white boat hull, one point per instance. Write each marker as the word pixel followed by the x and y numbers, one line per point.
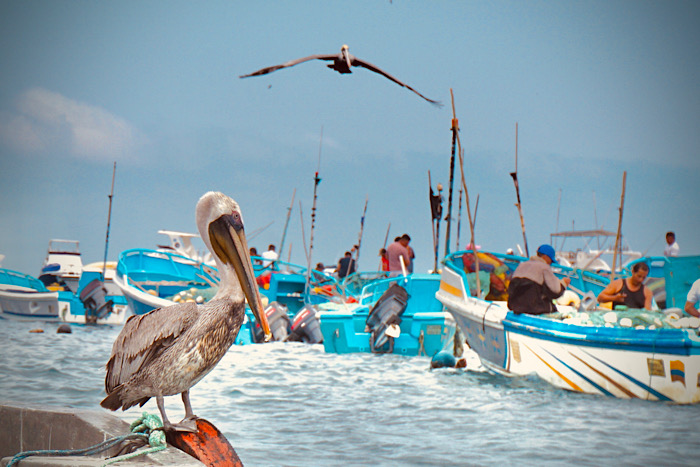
pixel 660 364
pixel 19 303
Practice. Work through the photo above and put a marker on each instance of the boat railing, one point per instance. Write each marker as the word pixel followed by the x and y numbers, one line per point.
pixel 20 279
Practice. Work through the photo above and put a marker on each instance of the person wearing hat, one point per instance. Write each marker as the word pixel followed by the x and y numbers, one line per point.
pixel 533 286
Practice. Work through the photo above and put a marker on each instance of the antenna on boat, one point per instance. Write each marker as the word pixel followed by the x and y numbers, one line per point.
pixel 436 214
pixel 109 220
pixel 317 180
pixel 459 217
pixel 359 236
pixel 466 197
pixel 556 227
pixel 619 228
pixel 386 239
pixel 286 223
pixel 517 192
pixel 595 218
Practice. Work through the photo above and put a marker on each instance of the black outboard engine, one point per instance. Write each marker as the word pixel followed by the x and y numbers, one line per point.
pixel 385 313
pixel 278 319
pixel 94 298
pixel 306 327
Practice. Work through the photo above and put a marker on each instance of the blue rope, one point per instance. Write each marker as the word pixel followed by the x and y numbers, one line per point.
pixel 145 428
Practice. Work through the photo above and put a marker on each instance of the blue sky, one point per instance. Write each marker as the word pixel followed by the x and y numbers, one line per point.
pixel 597 88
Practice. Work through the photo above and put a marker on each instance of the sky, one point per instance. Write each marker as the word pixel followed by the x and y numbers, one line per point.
pixel 597 89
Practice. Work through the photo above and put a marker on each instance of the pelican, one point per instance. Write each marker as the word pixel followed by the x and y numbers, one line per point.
pixel 169 350
pixel 341 63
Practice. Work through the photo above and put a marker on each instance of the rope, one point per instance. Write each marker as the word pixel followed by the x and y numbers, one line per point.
pixel 149 426
pixel 145 428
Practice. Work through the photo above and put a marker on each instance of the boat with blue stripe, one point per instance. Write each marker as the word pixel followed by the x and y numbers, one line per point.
pixel 654 355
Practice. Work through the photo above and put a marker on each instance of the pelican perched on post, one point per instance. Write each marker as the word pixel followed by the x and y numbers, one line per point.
pixel 168 350
pixel 341 63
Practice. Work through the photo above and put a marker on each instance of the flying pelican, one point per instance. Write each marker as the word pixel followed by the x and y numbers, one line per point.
pixel 168 350
pixel 341 63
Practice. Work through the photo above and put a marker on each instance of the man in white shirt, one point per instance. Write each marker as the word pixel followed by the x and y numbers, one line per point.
pixel 672 248
pixel 270 255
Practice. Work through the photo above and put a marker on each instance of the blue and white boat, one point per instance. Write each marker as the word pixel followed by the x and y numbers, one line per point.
pixel 25 297
pixel 386 319
pixel 641 354
pixel 152 279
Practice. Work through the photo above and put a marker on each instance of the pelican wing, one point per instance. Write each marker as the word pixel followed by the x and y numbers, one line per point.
pixel 357 62
pixel 144 337
pixel 270 69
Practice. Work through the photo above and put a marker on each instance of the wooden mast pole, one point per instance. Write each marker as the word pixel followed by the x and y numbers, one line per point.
pixel 619 227
pixel 517 192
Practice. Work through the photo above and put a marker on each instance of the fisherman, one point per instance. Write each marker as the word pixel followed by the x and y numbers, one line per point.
pixel 346 265
pixel 629 292
pixel 672 248
pixel 270 255
pixel 396 251
pixel 534 286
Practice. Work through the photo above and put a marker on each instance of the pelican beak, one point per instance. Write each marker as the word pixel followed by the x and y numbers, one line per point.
pixel 345 51
pixel 228 240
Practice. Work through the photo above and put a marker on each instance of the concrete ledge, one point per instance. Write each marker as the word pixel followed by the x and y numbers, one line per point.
pixel 31 428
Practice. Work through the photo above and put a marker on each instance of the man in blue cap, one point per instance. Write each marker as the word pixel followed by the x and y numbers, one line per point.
pixel 533 286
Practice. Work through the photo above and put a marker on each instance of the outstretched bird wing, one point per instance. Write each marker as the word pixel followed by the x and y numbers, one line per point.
pixel 357 62
pixel 270 69
pixel 144 337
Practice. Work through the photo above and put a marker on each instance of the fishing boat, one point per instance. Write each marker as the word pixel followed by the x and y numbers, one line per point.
pixel 397 315
pixel 670 277
pixel 98 299
pixel 152 279
pixel 596 253
pixel 63 265
pixel 25 297
pixel 651 355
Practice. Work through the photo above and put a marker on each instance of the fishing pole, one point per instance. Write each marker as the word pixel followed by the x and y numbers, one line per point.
pixel 619 228
pixel 386 238
pixel 448 218
pixel 466 196
pixel 436 215
pixel 286 224
pixel 459 217
pixel 109 220
pixel 517 192
pixel 317 180
pixel 359 237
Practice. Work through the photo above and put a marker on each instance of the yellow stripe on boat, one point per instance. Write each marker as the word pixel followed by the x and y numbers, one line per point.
pixel 451 289
pixel 564 378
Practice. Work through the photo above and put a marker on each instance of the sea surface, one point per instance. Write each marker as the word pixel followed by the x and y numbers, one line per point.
pixel 295 405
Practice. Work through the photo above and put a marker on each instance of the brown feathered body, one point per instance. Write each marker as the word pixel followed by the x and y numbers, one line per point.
pixel 168 350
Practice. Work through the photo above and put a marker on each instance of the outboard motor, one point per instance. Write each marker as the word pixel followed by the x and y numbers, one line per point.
pixel 278 319
pixel 306 327
pixel 94 298
pixel 384 318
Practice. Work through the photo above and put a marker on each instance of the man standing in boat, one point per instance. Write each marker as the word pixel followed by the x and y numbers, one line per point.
pixel 395 252
pixel 630 291
pixel 534 286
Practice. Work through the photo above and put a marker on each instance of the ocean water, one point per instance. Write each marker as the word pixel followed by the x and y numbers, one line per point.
pixel 295 405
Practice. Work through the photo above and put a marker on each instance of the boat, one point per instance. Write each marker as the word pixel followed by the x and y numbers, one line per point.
pixel 63 265
pixel 598 259
pixel 632 354
pixel 670 277
pixel 98 299
pixel 23 296
pixel 398 315
pixel 152 279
